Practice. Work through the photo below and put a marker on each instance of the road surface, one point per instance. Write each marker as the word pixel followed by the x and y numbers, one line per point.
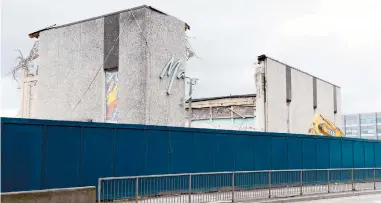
pixel 376 198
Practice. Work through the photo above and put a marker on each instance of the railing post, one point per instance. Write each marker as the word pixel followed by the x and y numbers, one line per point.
pixel 329 181
pixel 374 178
pixel 233 188
pixel 99 189
pixel 190 189
pixel 353 179
pixel 137 190
pixel 301 182
pixel 269 184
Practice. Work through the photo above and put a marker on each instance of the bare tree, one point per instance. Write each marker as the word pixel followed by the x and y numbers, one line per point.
pixel 24 63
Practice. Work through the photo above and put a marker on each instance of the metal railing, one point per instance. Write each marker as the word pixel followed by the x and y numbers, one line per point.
pixel 235 186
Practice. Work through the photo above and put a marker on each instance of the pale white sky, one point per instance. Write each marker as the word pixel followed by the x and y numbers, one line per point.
pixel 337 40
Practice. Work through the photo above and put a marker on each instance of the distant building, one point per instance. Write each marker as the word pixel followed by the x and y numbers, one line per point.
pixel 365 125
pixel 235 112
pixel 123 67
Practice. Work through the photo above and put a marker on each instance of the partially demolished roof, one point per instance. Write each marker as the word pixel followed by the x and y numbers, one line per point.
pixel 36 34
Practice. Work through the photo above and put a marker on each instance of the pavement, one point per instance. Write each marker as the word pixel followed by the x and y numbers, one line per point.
pixel 375 198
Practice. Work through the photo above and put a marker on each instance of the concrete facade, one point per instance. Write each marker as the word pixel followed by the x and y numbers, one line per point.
pixel 287 98
pixel 66 195
pixel 137 43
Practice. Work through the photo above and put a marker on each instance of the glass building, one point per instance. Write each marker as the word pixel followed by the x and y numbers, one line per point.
pixel 366 125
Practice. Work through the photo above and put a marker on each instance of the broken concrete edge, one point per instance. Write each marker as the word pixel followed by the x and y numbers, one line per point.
pixel 50 190
pixel 317 197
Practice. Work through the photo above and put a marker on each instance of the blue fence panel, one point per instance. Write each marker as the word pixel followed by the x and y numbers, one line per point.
pixel 335 153
pixel 369 154
pixel 130 149
pixel 205 147
pixel 97 155
pixel 358 154
pixel 322 150
pixel 62 145
pixel 262 153
pixel 225 154
pixel 21 156
pixel 279 153
pixel 377 154
pixel 157 154
pixel 295 153
pixel 39 154
pixel 347 154
pixel 309 153
pixel 182 151
pixel 244 153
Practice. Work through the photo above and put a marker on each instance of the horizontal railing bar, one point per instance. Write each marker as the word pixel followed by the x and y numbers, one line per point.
pixel 230 172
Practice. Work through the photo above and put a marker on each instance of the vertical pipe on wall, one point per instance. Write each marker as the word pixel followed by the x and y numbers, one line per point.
pixel 314 92
pixel 288 95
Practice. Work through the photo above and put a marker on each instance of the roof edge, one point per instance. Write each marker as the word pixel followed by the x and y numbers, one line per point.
pixel 263 57
pixel 223 97
pixel 36 34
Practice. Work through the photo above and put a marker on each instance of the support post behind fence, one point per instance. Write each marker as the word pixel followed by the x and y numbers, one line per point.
pixel 190 188
pixel 233 186
pixel 353 179
pixel 99 190
pixel 328 181
pixel 137 190
pixel 374 178
pixel 301 182
pixel 269 184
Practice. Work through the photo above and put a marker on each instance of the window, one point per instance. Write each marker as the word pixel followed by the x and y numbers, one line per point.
pixel 351 120
pixel 111 95
pixel 352 131
pixel 368 119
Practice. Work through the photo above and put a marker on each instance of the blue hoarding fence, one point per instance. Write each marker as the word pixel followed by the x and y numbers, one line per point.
pixel 44 154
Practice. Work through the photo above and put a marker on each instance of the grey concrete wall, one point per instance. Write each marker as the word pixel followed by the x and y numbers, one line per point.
pixel 166 39
pixel 296 115
pixel 70 57
pixel 67 195
pixel 276 107
pixel 325 100
pixel 132 67
pixel 301 109
pixel 148 40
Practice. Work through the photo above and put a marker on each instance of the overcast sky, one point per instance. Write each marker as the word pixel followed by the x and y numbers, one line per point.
pixel 337 40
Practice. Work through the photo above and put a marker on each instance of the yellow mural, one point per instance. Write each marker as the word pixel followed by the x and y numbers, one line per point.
pixel 111 95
